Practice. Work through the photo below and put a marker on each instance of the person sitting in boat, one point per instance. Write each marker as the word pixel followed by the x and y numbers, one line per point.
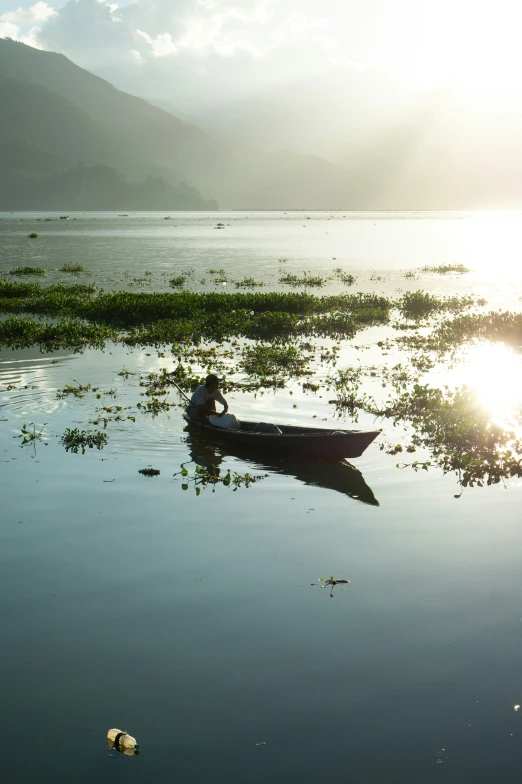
pixel 203 401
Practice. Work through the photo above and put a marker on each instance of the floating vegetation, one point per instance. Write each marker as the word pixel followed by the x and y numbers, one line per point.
pixel 149 471
pixel 156 383
pixel 153 406
pixel 504 327
pixel 269 360
pixel 248 283
pixel 347 384
pixel 444 269
pixel 31 436
pixel 203 477
pixel 27 270
pixel 154 319
pixel 332 582
pixel 72 268
pixel 77 391
pixel 178 282
pixel 458 432
pixel 188 317
pixel 306 279
pixel 344 277
pixel 220 276
pixel 124 373
pixel 420 304
pixel 33 235
pixel 73 334
pixel 74 439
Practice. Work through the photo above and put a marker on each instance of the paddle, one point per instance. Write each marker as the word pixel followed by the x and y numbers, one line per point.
pixel 180 390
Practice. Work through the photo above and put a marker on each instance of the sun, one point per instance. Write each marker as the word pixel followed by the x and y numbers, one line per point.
pixel 494 370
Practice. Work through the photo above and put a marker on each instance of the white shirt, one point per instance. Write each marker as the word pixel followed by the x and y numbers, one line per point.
pixel 201 395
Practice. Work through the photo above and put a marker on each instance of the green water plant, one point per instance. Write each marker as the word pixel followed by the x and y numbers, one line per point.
pixel 345 277
pixel 77 391
pixel 332 582
pixel 350 397
pixel 72 268
pixel 205 477
pixel 458 432
pixel 265 359
pixel 306 279
pixel 149 471
pixel 75 439
pixel 27 271
pixel 31 436
pixel 154 406
pixel 248 283
pixel 421 304
pixel 444 269
pixel 83 317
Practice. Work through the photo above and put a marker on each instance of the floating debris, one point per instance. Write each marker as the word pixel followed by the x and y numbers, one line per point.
pixel 121 740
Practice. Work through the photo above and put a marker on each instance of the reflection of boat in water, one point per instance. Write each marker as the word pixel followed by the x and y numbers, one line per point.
pixel 340 475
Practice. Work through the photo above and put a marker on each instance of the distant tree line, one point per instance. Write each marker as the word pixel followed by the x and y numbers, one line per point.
pixel 95 187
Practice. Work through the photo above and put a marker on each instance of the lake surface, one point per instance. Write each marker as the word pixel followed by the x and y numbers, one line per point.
pixel 190 620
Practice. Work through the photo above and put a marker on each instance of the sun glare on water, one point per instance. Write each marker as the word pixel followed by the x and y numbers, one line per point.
pixel 495 371
pixel 493 245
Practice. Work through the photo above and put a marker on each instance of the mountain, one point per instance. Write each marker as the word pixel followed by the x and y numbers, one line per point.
pixel 370 141
pixel 62 110
pixel 58 151
pixel 145 132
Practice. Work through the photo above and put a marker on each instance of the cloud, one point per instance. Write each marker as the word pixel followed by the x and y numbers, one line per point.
pixel 20 23
pixel 183 50
pixel 160 46
pixel 95 31
pixel 40 12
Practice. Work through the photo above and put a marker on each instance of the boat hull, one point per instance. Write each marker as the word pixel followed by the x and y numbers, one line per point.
pixel 305 442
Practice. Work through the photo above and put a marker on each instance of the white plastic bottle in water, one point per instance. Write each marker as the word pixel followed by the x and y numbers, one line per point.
pixel 122 739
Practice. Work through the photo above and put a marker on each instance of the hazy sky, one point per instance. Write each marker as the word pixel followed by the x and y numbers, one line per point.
pixel 197 51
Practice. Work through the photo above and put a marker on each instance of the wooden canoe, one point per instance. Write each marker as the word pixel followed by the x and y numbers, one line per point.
pixel 303 441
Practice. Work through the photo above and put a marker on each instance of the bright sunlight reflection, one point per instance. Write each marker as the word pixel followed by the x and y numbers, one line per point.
pixel 494 248
pixel 495 371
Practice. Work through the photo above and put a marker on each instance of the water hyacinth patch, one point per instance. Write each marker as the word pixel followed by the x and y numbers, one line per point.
pixel 27 270
pixel 75 439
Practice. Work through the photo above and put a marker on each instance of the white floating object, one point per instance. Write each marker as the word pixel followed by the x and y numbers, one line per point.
pixel 122 740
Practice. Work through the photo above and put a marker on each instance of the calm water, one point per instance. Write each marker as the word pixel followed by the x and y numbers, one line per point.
pixel 190 621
